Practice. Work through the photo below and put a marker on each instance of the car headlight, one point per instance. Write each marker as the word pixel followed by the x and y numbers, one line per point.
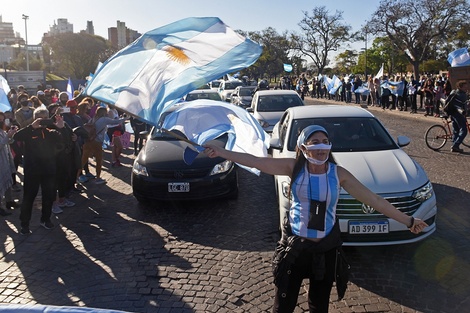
pixel 139 169
pixel 221 167
pixel 263 123
pixel 424 193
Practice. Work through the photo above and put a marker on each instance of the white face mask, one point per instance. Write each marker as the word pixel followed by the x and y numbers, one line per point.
pixel 320 146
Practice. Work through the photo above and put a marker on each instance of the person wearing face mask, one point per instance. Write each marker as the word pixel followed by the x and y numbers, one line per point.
pixel 310 245
pixel 24 115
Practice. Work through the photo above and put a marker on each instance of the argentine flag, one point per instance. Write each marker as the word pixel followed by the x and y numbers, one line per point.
pixel 160 67
pixel 70 89
pixel 4 90
pixel 288 68
pixel 204 120
pixel 459 57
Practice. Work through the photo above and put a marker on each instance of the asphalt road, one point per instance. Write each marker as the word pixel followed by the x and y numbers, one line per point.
pixel 110 252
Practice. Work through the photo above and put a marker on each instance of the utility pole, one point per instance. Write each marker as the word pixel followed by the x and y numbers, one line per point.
pixel 25 17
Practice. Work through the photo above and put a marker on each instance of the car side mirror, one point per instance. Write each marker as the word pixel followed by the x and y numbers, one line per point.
pixel 249 110
pixel 403 141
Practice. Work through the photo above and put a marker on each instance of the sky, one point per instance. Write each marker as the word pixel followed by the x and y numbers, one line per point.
pixel 145 15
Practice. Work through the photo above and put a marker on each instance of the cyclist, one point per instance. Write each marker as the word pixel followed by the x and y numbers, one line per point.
pixel 456 108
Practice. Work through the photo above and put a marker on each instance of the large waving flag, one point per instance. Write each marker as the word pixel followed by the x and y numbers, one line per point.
pixel 4 89
pixel 397 88
pixel 459 57
pixel 205 120
pixel 288 67
pixel 164 64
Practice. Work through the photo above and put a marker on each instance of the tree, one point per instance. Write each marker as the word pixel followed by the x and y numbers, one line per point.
pixel 418 26
pixel 275 53
pixel 76 54
pixel 321 33
pixel 346 61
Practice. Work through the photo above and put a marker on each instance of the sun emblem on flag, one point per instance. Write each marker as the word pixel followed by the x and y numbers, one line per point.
pixel 176 54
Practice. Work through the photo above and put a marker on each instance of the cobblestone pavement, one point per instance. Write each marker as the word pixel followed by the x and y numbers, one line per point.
pixel 214 256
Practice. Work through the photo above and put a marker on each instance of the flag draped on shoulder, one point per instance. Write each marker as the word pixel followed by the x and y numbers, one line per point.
pixel 205 120
pixel 459 57
pixel 4 90
pixel 164 64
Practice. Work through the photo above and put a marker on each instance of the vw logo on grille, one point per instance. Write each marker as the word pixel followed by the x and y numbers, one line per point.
pixel 367 209
pixel 178 174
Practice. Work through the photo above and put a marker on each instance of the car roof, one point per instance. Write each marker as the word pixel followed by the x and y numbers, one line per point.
pixel 203 91
pixel 276 92
pixel 327 110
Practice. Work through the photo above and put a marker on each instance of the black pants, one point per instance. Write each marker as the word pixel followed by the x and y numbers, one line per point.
pixel 319 290
pixel 31 188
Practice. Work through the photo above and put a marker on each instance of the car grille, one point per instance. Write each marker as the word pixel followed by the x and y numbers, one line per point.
pixel 350 208
pixel 180 174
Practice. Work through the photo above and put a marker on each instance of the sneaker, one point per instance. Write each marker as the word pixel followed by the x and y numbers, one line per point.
pixel 25 230
pixel 47 224
pixel 66 203
pixel 82 178
pixel 455 149
pixel 56 209
pixel 90 175
pixel 100 181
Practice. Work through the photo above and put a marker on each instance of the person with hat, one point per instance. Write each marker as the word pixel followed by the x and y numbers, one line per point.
pixel 310 246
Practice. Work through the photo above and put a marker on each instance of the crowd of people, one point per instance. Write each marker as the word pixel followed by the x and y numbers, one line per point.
pixel 428 92
pixel 44 133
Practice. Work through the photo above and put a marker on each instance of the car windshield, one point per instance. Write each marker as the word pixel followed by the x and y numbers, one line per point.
pixel 215 84
pixel 348 134
pixel 232 84
pixel 246 92
pixel 205 95
pixel 277 103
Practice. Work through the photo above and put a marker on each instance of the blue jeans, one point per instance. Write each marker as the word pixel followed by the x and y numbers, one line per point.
pixel 459 129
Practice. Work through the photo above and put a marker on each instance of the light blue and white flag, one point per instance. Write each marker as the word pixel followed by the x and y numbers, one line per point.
pixel 164 64
pixel 334 85
pixel 396 88
pixel 288 67
pixel 459 57
pixel 205 120
pixel 4 90
pixel 363 90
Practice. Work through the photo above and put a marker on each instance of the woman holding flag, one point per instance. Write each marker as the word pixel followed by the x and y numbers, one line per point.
pixel 310 242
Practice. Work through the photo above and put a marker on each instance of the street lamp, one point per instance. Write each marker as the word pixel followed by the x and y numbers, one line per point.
pixel 25 17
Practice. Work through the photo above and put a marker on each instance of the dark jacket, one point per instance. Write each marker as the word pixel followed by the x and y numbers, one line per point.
pixel 41 147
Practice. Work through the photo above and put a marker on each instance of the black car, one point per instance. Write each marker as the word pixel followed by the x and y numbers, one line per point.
pixel 160 173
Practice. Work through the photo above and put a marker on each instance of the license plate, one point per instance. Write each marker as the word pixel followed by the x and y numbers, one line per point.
pixel 178 187
pixel 365 227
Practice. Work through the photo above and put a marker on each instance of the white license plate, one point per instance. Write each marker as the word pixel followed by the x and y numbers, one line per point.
pixel 365 227
pixel 178 187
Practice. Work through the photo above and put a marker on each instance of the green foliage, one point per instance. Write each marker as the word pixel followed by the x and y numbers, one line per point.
pixel 76 55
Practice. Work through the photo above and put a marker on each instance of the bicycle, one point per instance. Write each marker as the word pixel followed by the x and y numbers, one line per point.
pixel 437 135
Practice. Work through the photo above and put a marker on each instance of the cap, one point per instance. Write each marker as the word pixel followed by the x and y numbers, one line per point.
pixel 307 132
pixel 40 93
